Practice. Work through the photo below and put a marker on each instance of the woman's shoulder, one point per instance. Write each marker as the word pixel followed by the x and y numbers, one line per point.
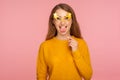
pixel 47 42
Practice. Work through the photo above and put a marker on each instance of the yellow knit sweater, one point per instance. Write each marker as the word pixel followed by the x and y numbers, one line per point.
pixel 56 61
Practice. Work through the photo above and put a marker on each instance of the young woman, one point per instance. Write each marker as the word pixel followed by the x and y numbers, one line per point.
pixel 64 54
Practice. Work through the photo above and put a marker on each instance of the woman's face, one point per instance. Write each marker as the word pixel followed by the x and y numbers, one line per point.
pixel 62 21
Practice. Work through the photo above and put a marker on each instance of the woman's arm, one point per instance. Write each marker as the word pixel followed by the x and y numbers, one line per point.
pixel 82 60
pixel 41 65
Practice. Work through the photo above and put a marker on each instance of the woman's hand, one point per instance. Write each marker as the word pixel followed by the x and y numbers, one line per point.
pixel 72 43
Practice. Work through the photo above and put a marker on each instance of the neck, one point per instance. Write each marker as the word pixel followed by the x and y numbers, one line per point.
pixel 62 37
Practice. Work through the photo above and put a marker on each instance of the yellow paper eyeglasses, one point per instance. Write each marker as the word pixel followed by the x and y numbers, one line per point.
pixel 59 18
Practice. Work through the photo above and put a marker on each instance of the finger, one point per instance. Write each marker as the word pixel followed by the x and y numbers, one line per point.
pixel 68 38
pixel 70 44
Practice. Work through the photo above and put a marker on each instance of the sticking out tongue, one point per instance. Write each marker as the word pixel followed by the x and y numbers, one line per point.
pixel 63 29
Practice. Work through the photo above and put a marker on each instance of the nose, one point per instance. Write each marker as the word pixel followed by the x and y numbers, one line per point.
pixel 62 22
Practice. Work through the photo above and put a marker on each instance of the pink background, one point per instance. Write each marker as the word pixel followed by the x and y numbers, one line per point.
pixel 24 23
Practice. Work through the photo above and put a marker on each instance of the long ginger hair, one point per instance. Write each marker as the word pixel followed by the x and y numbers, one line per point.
pixel 74 30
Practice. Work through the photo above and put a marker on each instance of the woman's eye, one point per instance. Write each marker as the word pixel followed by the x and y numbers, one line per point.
pixel 58 18
pixel 66 17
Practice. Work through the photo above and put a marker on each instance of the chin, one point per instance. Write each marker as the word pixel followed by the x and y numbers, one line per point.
pixel 63 34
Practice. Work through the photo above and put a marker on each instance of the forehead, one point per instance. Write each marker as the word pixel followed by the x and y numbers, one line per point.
pixel 61 12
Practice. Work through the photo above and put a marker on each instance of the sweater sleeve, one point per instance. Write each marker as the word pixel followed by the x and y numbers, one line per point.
pixel 82 60
pixel 41 65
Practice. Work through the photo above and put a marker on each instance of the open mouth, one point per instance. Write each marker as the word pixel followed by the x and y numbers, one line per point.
pixel 63 28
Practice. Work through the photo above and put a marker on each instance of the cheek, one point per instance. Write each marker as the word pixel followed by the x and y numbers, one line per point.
pixel 56 25
pixel 69 23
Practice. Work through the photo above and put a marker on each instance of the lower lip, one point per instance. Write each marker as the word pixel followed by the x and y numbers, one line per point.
pixel 62 31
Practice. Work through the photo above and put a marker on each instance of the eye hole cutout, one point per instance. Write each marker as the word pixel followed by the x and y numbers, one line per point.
pixel 68 16
pixel 55 16
pixel 58 18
